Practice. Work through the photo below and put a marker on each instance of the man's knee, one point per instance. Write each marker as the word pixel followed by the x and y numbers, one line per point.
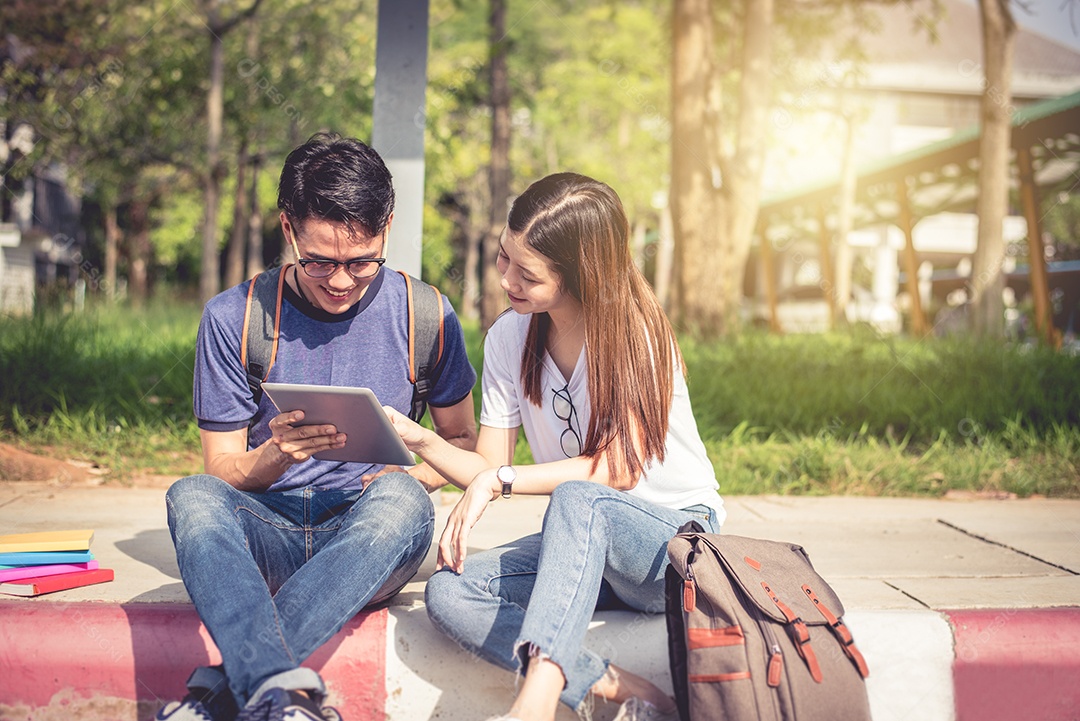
pixel 393 509
pixel 195 497
pixel 400 491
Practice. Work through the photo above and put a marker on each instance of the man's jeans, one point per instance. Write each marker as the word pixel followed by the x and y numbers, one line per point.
pixel 275 575
pixel 599 549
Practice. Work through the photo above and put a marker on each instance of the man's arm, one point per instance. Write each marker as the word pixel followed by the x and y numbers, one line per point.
pixel 226 455
pixel 457 425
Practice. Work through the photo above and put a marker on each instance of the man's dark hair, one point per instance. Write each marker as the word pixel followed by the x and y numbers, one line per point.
pixel 337 179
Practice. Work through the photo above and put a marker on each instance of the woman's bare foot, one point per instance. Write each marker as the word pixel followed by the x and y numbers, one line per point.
pixel 619 684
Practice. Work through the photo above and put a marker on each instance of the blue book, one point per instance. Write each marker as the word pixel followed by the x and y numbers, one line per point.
pixel 39 558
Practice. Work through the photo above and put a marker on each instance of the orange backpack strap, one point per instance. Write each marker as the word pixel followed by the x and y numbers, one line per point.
pixel 840 630
pixel 426 337
pixel 800 634
pixel 262 328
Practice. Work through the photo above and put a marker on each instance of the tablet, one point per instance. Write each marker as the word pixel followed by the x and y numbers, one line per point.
pixel 356 412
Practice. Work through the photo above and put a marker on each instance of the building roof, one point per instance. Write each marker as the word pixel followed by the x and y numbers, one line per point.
pixel 916 50
pixel 940 176
pixel 915 38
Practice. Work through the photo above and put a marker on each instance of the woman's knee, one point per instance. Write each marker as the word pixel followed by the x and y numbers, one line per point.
pixel 576 498
pixel 445 596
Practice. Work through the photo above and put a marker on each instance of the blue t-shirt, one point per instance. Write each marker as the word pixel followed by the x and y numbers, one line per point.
pixel 366 346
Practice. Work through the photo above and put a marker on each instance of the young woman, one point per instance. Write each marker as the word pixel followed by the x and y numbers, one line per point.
pixel 588 364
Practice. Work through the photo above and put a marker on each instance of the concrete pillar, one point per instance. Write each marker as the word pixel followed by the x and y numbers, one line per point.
pixel 886 282
pixel 399 120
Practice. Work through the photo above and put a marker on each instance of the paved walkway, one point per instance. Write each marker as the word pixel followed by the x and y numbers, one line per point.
pixel 958 605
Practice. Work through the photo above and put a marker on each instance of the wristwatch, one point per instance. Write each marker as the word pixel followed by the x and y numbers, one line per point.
pixel 507 475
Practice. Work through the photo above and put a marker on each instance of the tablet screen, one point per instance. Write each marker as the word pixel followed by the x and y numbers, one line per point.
pixel 356 412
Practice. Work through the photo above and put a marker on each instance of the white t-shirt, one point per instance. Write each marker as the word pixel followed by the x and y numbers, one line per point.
pixel 685 478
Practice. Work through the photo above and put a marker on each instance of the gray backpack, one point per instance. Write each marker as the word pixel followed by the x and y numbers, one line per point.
pixel 755 633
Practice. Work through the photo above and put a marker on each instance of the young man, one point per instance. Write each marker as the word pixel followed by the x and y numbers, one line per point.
pixel 277 549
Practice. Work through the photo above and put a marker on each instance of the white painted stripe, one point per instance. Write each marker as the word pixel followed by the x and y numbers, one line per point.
pixel 910 655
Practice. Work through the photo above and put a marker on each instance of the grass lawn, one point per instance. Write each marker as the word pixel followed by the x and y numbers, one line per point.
pixel 839 413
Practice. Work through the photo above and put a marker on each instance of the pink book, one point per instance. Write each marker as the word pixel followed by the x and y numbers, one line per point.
pixel 14 574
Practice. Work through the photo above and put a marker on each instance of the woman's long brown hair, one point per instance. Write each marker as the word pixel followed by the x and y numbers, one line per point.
pixel 580 226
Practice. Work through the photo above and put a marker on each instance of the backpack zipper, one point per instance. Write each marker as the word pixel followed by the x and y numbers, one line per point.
pixel 775 659
pixel 690 595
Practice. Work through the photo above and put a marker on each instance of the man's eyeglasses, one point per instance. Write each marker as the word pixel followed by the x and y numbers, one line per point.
pixel 359 269
pixel 563 406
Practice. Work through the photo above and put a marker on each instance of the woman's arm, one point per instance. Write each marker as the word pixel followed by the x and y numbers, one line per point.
pixel 494 448
pixel 456 425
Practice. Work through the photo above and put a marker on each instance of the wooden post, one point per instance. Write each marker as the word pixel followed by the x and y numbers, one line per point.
pixel 828 282
pixel 1040 287
pixel 919 325
pixel 768 269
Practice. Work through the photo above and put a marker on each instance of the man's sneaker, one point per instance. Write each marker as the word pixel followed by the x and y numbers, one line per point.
pixel 280 704
pixel 209 685
pixel 635 709
pixel 190 709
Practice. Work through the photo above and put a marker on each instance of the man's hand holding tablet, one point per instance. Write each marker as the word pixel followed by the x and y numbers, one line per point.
pixel 298 441
pixel 336 423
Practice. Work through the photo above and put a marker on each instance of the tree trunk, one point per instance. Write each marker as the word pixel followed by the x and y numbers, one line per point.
pixel 139 250
pixel 637 241
pixel 992 203
pixel 234 257
pixel 112 249
pixel 255 221
pixel 465 242
pixel 692 195
pixel 741 190
pixel 715 198
pixel 217 28
pixel 209 280
pixel 470 287
pixel 665 250
pixel 493 300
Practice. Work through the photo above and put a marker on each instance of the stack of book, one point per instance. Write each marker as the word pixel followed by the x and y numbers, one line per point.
pixel 35 563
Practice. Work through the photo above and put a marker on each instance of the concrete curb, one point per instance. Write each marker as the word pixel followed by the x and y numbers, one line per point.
pixel 109 661
pixel 113 661
pixel 1017 664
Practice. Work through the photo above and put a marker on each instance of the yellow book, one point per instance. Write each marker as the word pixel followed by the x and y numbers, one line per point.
pixel 47 541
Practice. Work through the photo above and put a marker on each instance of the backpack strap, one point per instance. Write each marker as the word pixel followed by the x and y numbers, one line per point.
pixel 262 328
pixel 426 335
pixel 840 630
pixel 800 634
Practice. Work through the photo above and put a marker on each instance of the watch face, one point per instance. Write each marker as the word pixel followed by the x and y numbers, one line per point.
pixel 506 474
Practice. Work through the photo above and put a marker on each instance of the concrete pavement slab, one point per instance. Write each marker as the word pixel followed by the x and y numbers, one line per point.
pixel 1015 592
pixel 913 547
pixel 1048 530
pixel 878 548
pixel 874 593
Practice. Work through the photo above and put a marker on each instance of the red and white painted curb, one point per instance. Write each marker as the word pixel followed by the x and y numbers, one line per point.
pixel 118 662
